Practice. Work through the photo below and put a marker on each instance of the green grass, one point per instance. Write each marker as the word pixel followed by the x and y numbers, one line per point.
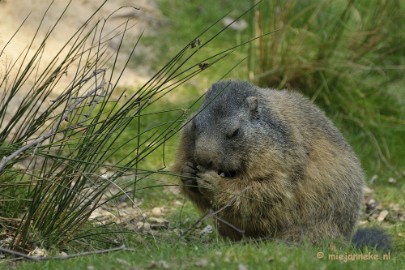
pixel 170 251
pixel 266 255
pixel 166 248
pixel 175 253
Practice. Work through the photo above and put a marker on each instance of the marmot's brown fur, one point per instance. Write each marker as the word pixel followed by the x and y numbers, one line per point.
pixel 272 165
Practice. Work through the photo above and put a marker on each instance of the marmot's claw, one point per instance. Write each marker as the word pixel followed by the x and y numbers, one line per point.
pixel 190 168
pixel 189 175
pixel 208 181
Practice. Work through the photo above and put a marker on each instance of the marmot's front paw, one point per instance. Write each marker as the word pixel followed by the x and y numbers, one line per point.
pixel 208 182
pixel 189 176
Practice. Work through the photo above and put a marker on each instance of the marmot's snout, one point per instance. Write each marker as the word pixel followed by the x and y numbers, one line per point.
pixel 205 155
pixel 208 157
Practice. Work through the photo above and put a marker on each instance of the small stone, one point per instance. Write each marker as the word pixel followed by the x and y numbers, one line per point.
pixel 158 223
pixel 362 222
pixel 371 201
pixel 122 261
pixel 371 206
pixel 241 266
pixel 367 190
pixel 122 205
pixel 394 206
pixel 163 264
pixel 177 202
pixel 19 166
pixel 63 254
pixel 202 263
pixel 382 215
pixel 392 180
pixel 139 225
pixel 156 212
pixel 146 226
pixel 207 230
pixel 372 180
pixel 157 220
pixel 38 252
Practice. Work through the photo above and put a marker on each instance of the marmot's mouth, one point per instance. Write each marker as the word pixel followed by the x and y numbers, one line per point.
pixel 228 174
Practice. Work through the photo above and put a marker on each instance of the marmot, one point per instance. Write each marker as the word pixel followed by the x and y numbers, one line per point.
pixel 271 164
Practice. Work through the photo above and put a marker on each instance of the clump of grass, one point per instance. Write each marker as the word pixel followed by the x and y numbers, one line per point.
pixel 342 54
pixel 55 148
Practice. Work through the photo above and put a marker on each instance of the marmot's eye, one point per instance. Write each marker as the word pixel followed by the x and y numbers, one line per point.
pixel 233 133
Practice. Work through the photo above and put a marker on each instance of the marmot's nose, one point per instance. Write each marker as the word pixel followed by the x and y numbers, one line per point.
pixel 205 157
pixel 204 162
pixel 206 152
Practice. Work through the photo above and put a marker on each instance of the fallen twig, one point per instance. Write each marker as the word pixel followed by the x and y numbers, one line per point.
pixel 37 258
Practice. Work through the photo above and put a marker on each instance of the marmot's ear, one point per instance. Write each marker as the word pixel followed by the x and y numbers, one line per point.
pixel 253 105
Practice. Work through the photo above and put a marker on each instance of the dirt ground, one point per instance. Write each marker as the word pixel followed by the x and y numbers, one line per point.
pixel 143 14
pixel 146 16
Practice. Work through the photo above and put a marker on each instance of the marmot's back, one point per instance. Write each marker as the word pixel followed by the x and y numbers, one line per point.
pixel 274 164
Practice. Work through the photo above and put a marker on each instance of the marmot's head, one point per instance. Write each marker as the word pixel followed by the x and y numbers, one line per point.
pixel 232 128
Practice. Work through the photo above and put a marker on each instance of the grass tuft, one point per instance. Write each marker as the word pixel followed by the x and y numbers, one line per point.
pixel 62 153
pixel 344 55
